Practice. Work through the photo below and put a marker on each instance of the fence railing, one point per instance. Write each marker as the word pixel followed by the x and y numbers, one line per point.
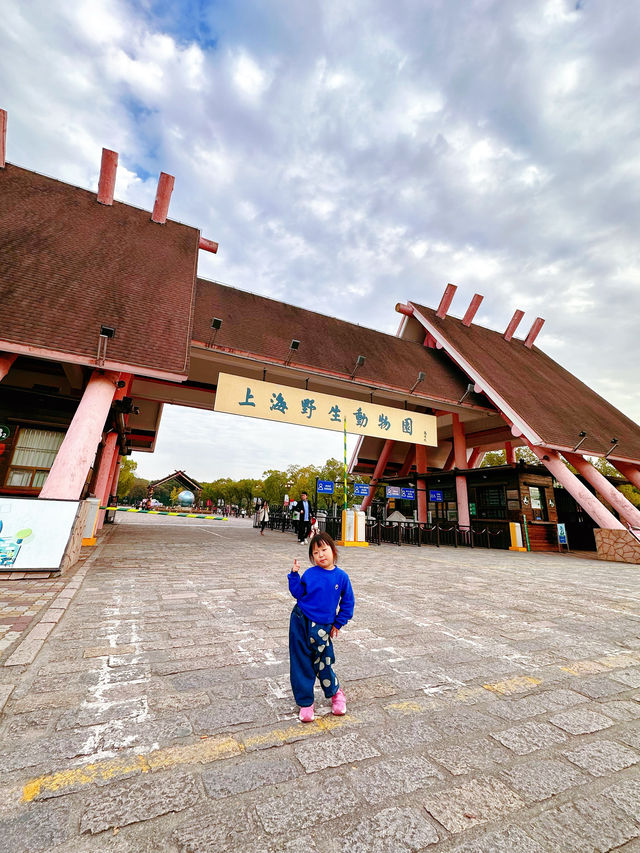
pixel 484 534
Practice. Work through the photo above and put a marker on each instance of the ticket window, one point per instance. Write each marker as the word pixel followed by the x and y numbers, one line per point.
pixel 538 503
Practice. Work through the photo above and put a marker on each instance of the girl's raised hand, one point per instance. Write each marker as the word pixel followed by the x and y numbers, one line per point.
pixel 296 566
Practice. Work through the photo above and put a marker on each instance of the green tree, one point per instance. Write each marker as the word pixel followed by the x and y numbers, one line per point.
pixel 499 457
pixel 127 476
pixel 174 495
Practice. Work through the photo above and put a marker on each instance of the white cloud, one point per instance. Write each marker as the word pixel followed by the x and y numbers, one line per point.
pixel 348 156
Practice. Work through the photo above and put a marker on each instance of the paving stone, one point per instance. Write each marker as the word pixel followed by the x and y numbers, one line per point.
pixel 600 757
pixel 529 737
pixel 5 692
pixel 93 713
pixel 532 706
pixel 629 677
pixel 626 795
pixel 607 827
pixel 620 709
pixel 289 811
pixel 392 777
pixel 480 754
pixel 580 722
pixel 228 779
pixel 326 752
pixel 393 830
pixel 229 826
pixel 591 824
pixel 473 802
pixel 41 828
pixel 538 780
pixel 510 840
pixel 226 714
pixel 600 686
pixel 629 735
pixel 137 800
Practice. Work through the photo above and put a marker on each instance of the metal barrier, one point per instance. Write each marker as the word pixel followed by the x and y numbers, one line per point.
pixel 491 535
pixel 417 533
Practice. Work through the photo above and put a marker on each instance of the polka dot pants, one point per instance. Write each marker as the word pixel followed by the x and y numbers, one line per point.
pixel 310 656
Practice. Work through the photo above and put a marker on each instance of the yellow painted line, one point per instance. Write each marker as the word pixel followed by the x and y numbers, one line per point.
pixel 584 667
pixel 519 684
pixel 320 724
pixel 406 706
pixel 204 751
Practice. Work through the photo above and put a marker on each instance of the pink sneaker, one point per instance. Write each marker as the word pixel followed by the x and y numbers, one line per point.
pixel 339 703
pixel 306 714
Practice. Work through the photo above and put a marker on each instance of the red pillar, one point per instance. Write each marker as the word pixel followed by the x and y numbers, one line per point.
pixel 589 503
pixel 77 452
pixel 108 462
pixel 379 470
pixel 421 483
pixel 460 459
pixel 631 472
pixel 6 360
pixel 622 506
pixel 509 453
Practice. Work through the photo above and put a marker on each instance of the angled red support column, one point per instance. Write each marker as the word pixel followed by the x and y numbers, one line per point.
pixel 509 453
pixel 77 452
pixel 421 483
pixel 589 503
pixel 6 360
pixel 460 457
pixel 473 460
pixel 448 465
pixel 379 470
pixel 408 461
pixel 622 506
pixel 631 472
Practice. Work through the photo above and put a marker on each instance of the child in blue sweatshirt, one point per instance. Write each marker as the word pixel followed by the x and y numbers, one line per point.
pixel 324 605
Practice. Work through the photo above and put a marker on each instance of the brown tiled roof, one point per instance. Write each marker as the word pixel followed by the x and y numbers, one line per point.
pixel 264 328
pixel 546 396
pixel 69 265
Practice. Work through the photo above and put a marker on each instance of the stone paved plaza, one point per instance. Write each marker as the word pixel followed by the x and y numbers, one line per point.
pixel 493 703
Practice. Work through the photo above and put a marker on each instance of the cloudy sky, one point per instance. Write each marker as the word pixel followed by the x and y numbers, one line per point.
pixel 350 154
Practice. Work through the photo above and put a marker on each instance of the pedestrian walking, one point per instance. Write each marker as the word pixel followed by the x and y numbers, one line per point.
pixel 324 605
pixel 263 516
pixel 303 508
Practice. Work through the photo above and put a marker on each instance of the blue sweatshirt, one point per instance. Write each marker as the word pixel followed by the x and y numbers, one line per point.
pixel 319 593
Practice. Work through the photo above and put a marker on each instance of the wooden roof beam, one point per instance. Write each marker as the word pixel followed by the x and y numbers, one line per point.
pixel 472 309
pixel 445 302
pixel 163 197
pixel 513 324
pixel 3 137
pixel 107 180
pixel 538 323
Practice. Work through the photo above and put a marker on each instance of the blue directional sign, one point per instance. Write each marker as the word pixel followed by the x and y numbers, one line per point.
pixel 394 491
pixel 435 495
pixel 325 487
pixel 408 494
pixel 562 534
pixel 361 489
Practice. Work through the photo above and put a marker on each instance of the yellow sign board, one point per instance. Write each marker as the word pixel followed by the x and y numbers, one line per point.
pixel 272 402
